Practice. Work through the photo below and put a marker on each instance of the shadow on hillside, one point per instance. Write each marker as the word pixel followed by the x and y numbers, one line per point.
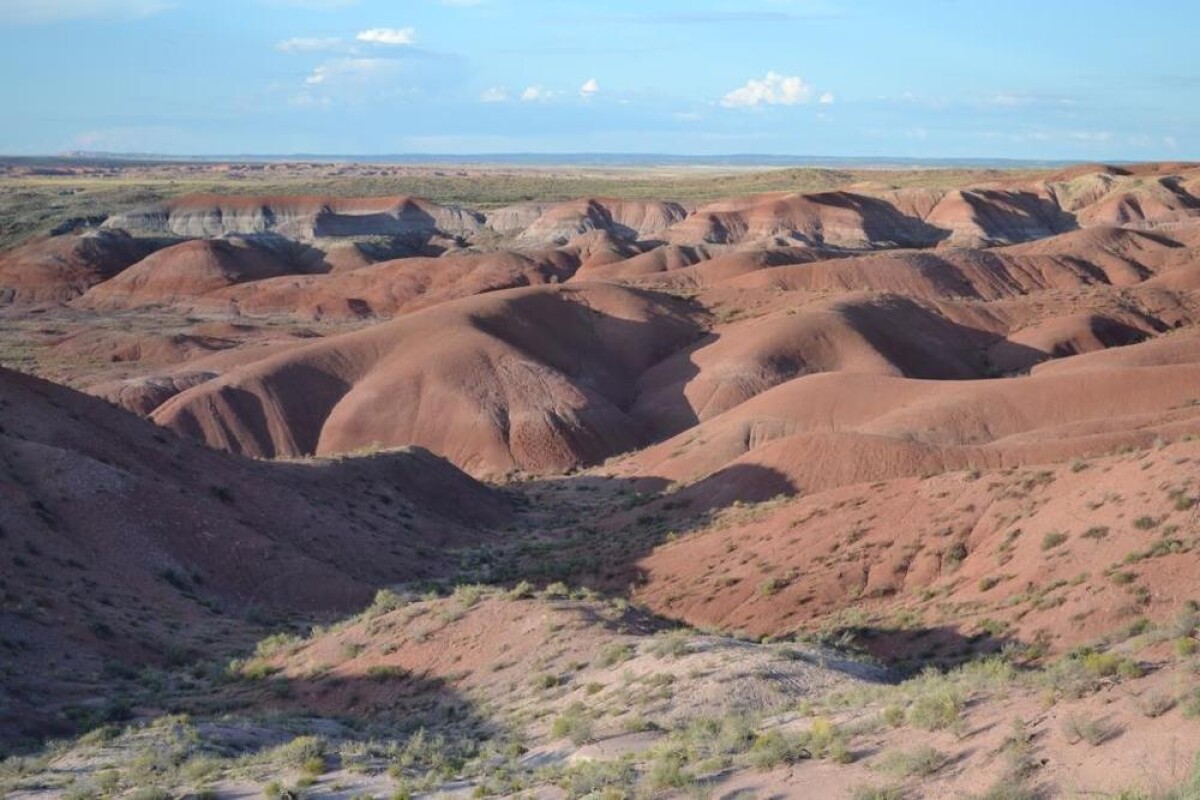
pixel 910 650
pixel 390 698
pixel 883 222
pixel 592 531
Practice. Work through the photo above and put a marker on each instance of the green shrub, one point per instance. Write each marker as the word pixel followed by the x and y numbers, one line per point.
pixel 921 761
pixel 574 723
pixel 937 708
pixel 775 748
pixel 598 779
pixel 673 645
pixel 772 586
pixel 667 772
pixel 522 591
pixel 893 716
pixel 546 680
pixel 1053 539
pixel 385 601
pixel 615 654
pixel 385 672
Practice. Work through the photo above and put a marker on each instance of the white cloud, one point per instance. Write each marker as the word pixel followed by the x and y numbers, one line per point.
pixel 307 44
pixel 352 70
pixel 534 94
pixel 589 88
pixel 774 89
pixel 36 12
pixel 495 94
pixel 826 98
pixel 388 36
pixel 1170 142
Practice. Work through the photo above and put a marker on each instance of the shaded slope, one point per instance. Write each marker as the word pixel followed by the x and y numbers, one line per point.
pixel 124 542
pixel 58 268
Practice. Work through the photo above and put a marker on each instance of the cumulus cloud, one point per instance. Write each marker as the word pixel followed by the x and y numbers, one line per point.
pixel 826 98
pixel 534 94
pixel 37 12
pixel 388 36
pixel 495 94
pixel 773 90
pixel 308 44
pixel 589 88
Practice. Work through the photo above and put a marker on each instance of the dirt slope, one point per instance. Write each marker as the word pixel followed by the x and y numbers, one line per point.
pixel 116 533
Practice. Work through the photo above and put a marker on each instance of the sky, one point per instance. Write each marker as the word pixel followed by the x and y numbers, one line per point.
pixel 1051 79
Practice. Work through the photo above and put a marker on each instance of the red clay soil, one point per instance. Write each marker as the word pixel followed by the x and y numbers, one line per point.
pixel 115 533
pixel 957 563
pixel 532 379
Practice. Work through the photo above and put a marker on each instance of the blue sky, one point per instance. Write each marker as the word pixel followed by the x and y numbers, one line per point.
pixel 1056 79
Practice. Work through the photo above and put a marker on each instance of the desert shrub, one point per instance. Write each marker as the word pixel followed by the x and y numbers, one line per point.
pixel 149 793
pixel 468 594
pixel 522 591
pixel 385 601
pixel 865 792
pixel 1079 674
pixel 384 672
pixel 306 753
pixel 598 779
pixel 673 645
pixel 1155 704
pixel 893 716
pixel 668 771
pixel 557 590
pixel 1190 704
pixel 546 680
pixel 938 707
pixel 574 723
pixel 80 793
pixel 1085 729
pixel 1053 539
pixel 201 769
pixel 1184 646
pixel 824 740
pixel 772 586
pixel 615 654
pixel 921 761
pixel 775 748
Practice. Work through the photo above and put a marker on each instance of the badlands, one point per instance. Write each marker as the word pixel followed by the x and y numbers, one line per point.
pixel 808 483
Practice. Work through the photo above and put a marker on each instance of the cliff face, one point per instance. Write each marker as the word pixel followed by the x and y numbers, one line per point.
pixel 302 217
